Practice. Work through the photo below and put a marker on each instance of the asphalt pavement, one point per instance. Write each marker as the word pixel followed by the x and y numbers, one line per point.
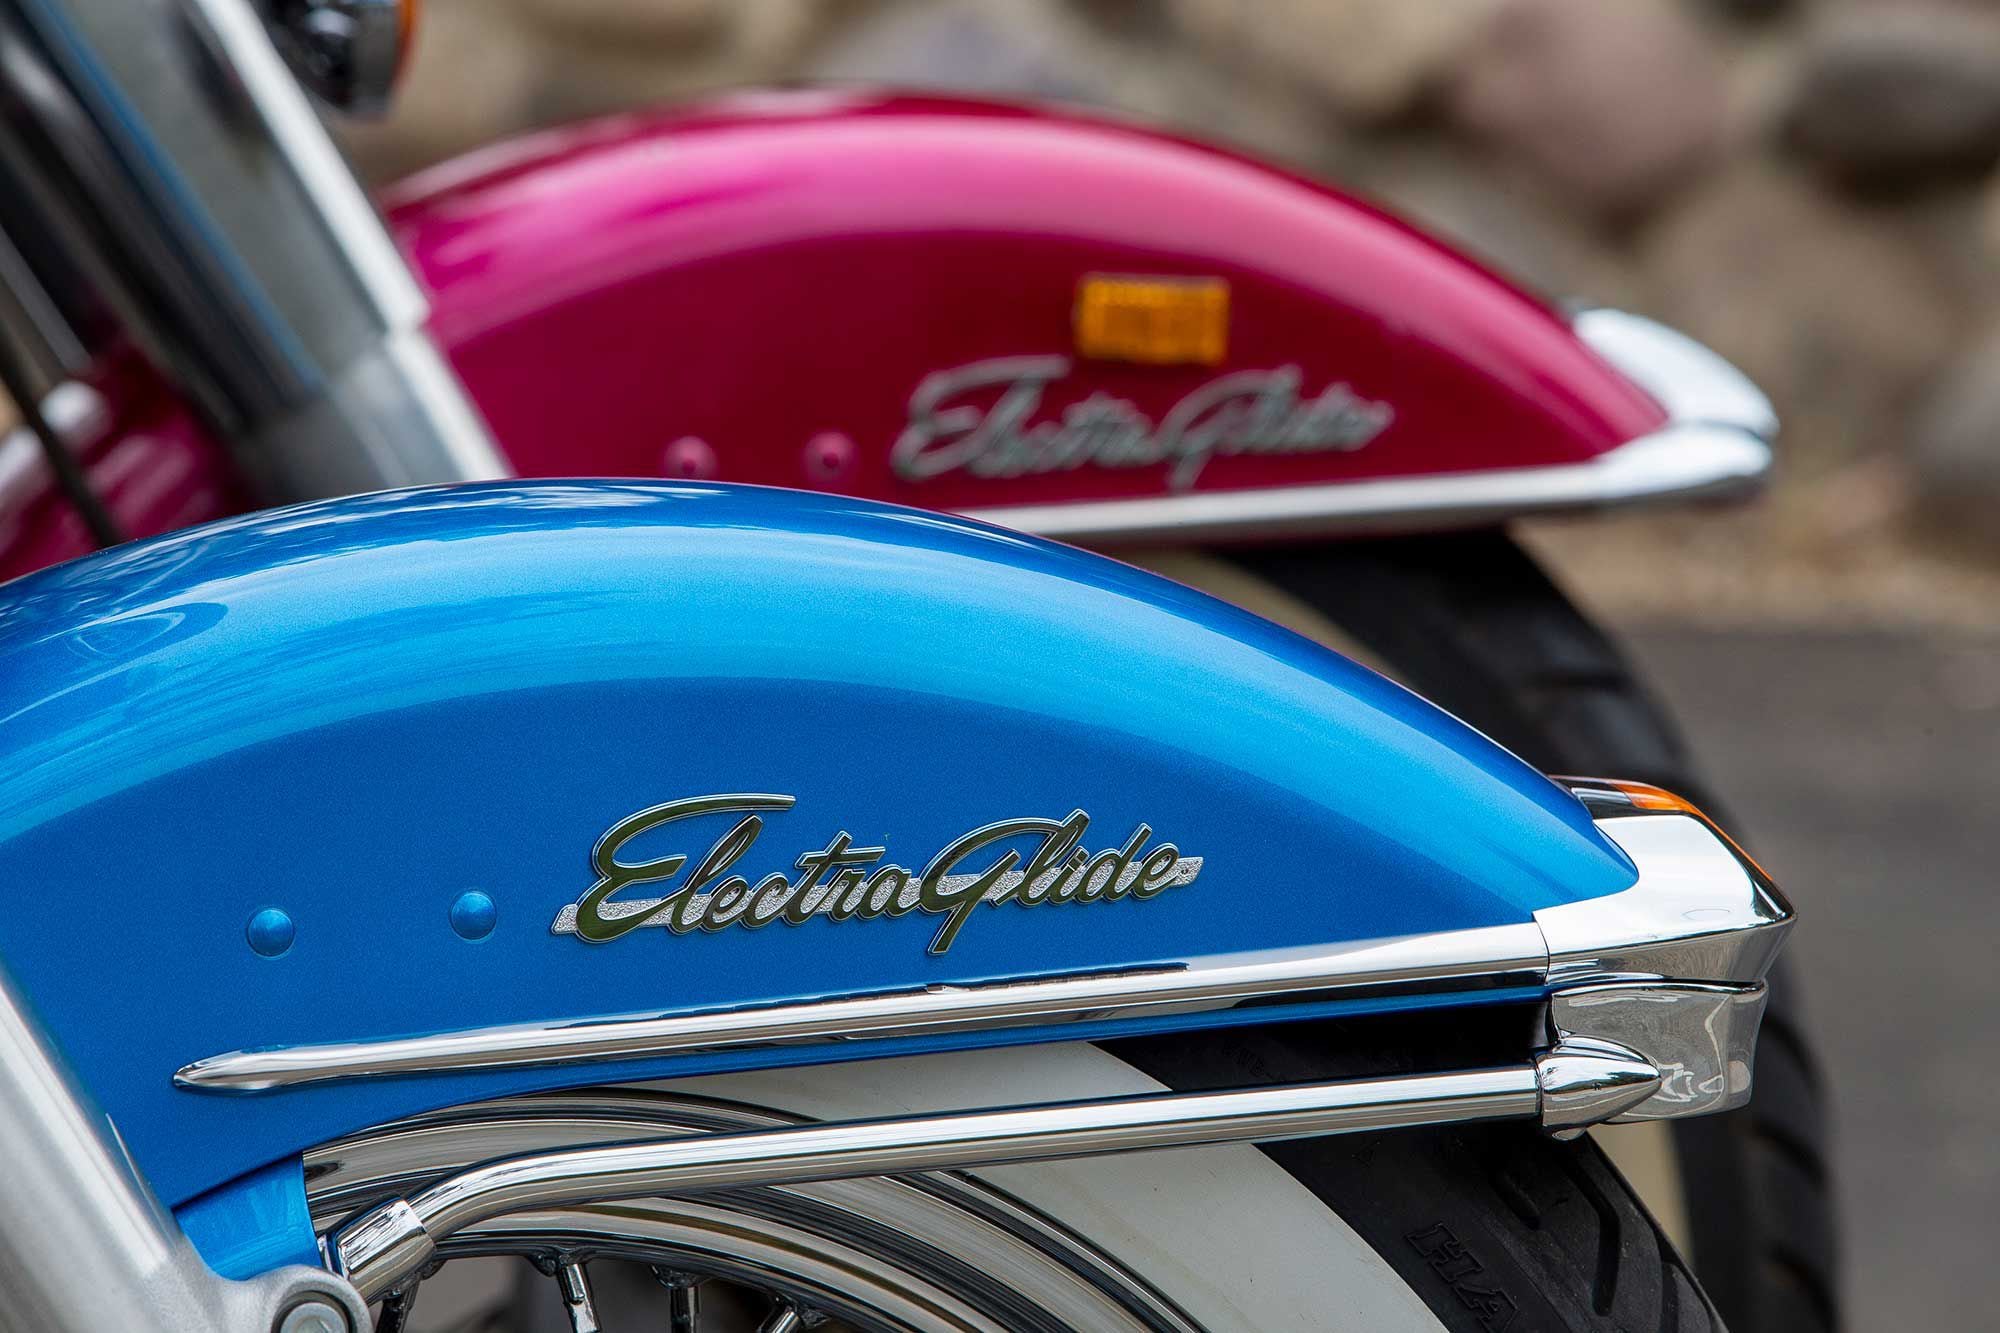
pixel 1865 769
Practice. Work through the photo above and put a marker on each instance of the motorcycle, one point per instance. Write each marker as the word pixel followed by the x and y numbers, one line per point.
pixel 477 735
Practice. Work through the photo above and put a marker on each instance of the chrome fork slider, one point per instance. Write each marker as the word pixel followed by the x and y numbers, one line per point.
pixel 1578 1082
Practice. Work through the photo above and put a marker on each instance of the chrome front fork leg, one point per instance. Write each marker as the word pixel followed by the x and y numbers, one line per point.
pixel 84 1246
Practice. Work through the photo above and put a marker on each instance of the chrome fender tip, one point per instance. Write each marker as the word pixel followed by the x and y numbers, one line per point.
pixel 1690 381
pixel 1700 908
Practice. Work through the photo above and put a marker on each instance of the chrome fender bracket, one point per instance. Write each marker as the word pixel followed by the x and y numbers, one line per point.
pixel 1700 1038
pixel 1576 1083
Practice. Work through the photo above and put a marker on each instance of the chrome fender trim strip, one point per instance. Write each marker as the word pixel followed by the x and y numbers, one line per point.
pixel 1692 382
pixel 1449 961
pixel 1675 462
pixel 1716 443
pixel 1699 911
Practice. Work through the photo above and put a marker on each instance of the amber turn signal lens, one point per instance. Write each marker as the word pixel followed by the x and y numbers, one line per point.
pixel 1156 321
pixel 1647 797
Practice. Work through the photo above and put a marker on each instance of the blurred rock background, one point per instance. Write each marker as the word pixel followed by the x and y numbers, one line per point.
pixel 1809 186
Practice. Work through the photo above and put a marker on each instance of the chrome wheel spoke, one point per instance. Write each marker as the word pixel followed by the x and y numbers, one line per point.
pixel 395 1316
pixel 575 1285
pixel 683 1301
pixel 785 1319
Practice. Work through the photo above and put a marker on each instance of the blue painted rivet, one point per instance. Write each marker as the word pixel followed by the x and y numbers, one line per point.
pixel 473 915
pixel 270 932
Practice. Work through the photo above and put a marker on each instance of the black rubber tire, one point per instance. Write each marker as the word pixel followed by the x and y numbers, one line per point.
pixel 1493 1226
pixel 1472 622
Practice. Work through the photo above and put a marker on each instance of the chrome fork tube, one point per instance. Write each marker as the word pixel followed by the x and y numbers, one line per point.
pixel 71 1206
pixel 181 163
pixel 83 1245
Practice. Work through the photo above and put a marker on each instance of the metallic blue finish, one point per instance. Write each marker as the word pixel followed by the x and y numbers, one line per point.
pixel 474 914
pixel 270 932
pixel 254 1223
pixel 359 707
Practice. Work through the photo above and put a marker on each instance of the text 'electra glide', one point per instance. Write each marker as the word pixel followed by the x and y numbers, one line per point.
pixel 813 904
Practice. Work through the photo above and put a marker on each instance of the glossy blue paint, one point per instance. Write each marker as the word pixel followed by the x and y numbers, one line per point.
pixel 356 708
pixel 254 1223
pixel 473 915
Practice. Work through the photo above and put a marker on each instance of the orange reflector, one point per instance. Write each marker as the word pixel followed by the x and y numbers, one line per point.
pixel 1155 321
pixel 1645 796
pixel 1649 797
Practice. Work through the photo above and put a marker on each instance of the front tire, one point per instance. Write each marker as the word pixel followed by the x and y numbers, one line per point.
pixel 1472 622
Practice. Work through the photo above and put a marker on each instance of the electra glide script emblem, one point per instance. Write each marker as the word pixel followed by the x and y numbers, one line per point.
pixel 1243 412
pixel 844 882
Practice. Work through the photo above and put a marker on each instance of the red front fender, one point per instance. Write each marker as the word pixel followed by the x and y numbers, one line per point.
pixel 905 298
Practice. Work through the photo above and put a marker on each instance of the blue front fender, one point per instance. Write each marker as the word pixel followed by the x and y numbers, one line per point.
pixel 355 717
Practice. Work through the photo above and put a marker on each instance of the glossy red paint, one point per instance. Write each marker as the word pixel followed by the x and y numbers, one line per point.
pixel 775 268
